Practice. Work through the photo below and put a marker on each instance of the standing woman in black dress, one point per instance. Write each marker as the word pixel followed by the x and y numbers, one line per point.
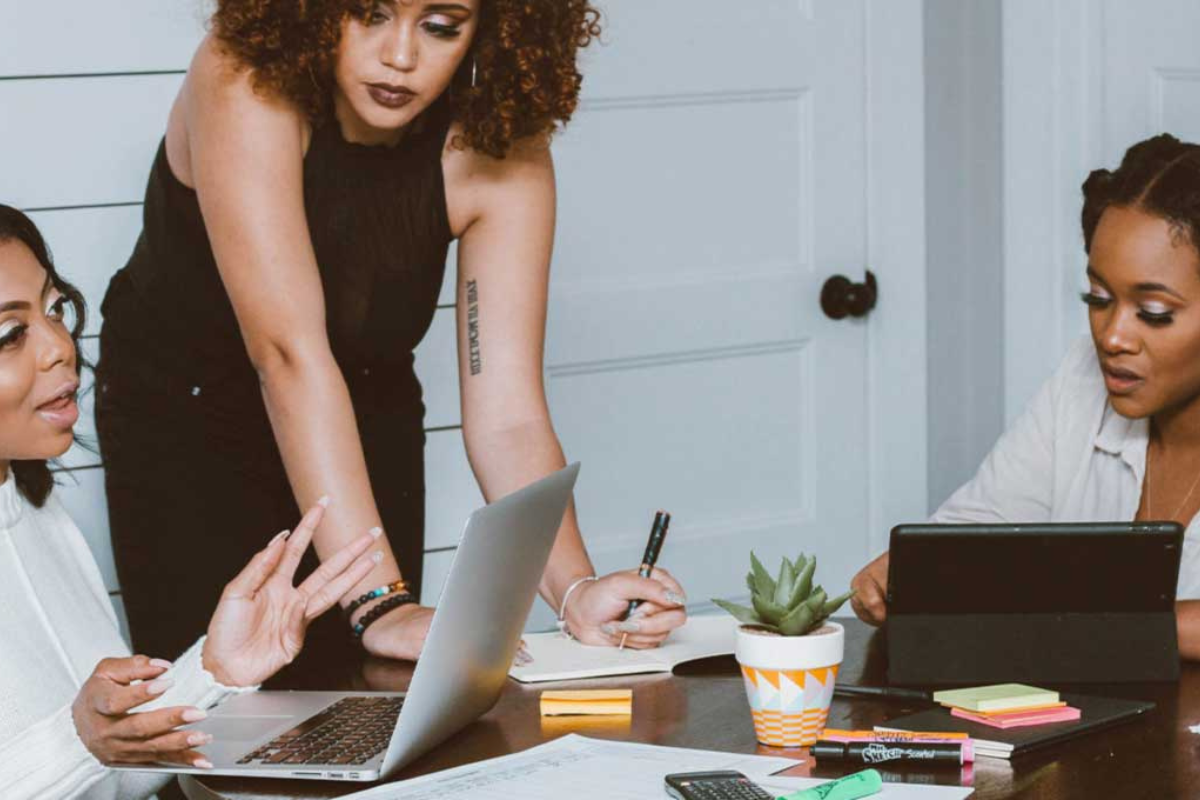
pixel 257 348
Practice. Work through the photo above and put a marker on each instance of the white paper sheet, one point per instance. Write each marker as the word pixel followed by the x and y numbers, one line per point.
pixel 557 658
pixel 574 768
pixel 891 791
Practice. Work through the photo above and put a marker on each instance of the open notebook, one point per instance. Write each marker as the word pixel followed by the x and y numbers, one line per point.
pixel 557 658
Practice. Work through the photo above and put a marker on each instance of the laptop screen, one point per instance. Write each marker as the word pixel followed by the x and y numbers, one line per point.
pixel 1046 568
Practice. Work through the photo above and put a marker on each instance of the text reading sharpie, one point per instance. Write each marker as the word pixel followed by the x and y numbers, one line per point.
pixel 903 737
pixel 851 787
pixel 929 753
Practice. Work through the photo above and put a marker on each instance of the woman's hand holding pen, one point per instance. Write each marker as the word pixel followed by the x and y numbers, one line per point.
pixel 596 611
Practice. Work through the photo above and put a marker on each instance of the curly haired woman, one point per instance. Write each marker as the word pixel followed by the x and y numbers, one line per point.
pixel 257 348
pixel 1114 434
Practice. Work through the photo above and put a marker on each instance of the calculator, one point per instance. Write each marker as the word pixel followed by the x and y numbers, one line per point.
pixel 722 785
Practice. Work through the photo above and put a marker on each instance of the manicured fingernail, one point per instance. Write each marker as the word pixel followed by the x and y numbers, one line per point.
pixel 375 532
pixel 159 686
pixel 160 663
pixel 197 739
pixel 277 537
pixel 377 556
pixel 202 763
pixel 608 629
pixel 193 715
pixel 677 599
pixel 324 501
pixel 629 626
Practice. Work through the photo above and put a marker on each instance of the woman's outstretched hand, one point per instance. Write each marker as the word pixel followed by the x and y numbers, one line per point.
pixel 260 621
pixel 595 609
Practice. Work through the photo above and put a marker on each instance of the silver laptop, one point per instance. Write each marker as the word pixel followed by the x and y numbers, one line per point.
pixel 363 736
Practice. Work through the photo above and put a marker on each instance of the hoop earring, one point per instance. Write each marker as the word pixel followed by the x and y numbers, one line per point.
pixel 474 70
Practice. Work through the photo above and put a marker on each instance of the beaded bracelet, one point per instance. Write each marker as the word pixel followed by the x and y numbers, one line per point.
pixel 391 603
pixel 391 588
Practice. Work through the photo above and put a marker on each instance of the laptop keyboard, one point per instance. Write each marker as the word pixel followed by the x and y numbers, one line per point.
pixel 351 731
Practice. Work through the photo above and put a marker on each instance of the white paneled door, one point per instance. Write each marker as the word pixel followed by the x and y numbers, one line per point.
pixel 717 174
pixel 1151 72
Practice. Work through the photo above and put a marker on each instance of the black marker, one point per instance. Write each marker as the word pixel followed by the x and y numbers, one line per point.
pixel 934 754
pixel 886 692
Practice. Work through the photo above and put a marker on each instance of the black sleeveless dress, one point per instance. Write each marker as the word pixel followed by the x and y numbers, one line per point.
pixel 194 478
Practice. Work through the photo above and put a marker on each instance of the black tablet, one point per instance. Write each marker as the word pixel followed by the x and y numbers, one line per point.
pixel 1052 602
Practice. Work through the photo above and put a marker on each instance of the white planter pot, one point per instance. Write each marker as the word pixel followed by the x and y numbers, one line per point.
pixel 789 682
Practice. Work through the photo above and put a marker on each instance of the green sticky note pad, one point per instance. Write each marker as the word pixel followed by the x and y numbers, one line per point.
pixel 996 698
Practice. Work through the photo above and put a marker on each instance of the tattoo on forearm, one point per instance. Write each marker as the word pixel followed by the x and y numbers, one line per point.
pixel 473 327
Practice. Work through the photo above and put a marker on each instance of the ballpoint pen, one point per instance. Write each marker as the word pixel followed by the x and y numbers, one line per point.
pixel 658 532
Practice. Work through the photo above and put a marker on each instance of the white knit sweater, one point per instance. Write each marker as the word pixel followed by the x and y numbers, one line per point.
pixel 56 623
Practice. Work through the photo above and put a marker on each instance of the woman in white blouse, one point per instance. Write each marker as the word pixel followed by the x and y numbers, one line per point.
pixel 1115 433
pixel 72 699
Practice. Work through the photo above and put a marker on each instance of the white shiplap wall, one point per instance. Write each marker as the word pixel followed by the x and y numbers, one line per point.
pixel 85 92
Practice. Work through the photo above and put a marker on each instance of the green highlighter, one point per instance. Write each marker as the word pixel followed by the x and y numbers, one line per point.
pixel 851 787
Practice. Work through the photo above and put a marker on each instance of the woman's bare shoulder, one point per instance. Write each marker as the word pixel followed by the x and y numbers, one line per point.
pixel 219 92
pixel 475 181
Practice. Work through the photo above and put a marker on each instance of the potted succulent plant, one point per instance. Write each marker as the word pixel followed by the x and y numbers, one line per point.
pixel 788 650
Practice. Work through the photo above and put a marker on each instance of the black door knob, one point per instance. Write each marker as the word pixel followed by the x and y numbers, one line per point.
pixel 842 297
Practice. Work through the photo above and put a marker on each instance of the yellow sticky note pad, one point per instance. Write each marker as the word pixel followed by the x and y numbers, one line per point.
pixel 587 701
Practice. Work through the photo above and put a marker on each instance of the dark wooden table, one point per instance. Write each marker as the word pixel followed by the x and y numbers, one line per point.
pixel 704 705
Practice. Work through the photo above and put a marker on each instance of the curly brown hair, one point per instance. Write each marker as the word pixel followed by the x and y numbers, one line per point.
pixel 524 53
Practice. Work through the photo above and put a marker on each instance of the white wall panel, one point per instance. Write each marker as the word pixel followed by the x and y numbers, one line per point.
pixel 84 36
pixel 81 141
pixel 82 494
pixel 707 200
pixel 700 51
pixel 437 567
pixel 451 493
pixel 437 368
pixel 1178 103
pixel 751 408
pixel 89 245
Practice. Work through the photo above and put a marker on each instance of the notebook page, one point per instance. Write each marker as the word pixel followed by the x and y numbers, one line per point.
pixel 557 658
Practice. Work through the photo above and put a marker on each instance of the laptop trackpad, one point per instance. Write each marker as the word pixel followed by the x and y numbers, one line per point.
pixel 241 729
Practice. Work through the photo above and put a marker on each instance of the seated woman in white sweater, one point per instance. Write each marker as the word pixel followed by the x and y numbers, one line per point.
pixel 1115 433
pixel 69 689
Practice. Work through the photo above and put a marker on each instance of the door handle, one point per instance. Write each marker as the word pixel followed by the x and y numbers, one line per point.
pixel 842 297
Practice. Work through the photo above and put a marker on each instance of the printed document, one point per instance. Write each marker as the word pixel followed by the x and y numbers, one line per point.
pixel 577 768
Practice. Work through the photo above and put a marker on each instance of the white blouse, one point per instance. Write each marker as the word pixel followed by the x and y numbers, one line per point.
pixel 56 623
pixel 1069 457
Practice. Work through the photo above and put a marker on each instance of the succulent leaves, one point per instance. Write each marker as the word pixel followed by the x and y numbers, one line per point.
pixel 788 604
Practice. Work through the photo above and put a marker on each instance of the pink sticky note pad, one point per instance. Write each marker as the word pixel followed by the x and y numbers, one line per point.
pixel 1020 719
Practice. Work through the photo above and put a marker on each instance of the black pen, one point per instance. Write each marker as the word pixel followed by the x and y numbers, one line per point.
pixel 658 532
pixel 881 691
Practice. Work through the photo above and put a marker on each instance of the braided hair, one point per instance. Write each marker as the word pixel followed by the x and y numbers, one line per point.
pixel 1160 176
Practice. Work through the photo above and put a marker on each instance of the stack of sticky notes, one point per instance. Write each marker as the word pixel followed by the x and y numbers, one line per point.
pixel 587 701
pixel 1007 705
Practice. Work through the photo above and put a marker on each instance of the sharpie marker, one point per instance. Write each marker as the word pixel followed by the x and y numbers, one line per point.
pixel 930 753
pixel 903 737
pixel 851 787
